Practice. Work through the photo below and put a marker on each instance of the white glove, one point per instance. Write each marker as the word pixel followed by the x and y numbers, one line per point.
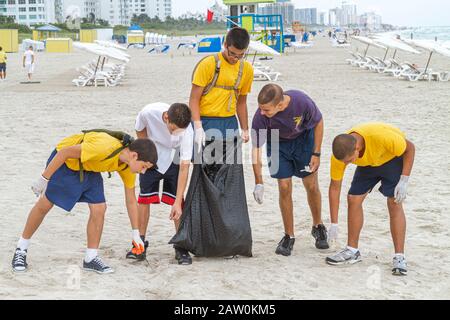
pixel 333 232
pixel 400 189
pixel 138 244
pixel 200 138
pixel 258 193
pixel 39 186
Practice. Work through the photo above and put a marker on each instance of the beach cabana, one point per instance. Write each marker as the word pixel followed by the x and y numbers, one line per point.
pixel 49 30
pixel 9 40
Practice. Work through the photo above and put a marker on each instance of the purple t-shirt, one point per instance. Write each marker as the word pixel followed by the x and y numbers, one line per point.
pixel 301 114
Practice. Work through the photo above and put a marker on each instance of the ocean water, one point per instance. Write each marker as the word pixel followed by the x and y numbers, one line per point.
pixel 428 33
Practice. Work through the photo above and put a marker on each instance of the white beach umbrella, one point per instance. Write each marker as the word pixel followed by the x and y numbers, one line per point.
pixel 110 44
pixel 431 46
pixel 369 43
pixel 262 48
pixel 392 43
pixel 101 51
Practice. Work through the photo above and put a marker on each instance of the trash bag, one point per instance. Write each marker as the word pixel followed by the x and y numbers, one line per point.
pixel 215 221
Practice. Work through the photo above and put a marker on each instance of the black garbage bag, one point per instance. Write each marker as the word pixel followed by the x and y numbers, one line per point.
pixel 215 221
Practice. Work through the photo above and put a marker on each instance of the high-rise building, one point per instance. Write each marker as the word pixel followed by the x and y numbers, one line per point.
pixel 29 12
pixel 286 9
pixel 349 14
pixel 90 9
pixel 371 20
pixel 306 16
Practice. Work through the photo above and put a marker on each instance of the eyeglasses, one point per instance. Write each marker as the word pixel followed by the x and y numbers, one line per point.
pixel 234 55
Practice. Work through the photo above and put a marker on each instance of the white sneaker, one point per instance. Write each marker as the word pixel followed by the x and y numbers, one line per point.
pixel 345 256
pixel 400 267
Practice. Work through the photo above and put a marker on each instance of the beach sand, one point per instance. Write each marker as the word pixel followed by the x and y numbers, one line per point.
pixel 34 117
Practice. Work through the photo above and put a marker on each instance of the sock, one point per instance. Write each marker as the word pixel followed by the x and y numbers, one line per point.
pixel 23 244
pixel 400 255
pixel 91 254
pixel 353 250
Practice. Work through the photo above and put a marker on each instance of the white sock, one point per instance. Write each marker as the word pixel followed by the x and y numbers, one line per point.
pixel 91 254
pixel 23 244
pixel 400 255
pixel 353 250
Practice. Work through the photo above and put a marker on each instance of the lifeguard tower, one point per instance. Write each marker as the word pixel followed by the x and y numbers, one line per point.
pixel 265 28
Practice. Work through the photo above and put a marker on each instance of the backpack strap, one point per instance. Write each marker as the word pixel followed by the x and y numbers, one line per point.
pixel 212 84
pixel 234 88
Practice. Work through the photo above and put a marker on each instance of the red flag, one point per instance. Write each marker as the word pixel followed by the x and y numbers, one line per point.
pixel 210 16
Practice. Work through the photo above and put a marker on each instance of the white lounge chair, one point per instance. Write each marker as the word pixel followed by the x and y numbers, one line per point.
pixel 260 75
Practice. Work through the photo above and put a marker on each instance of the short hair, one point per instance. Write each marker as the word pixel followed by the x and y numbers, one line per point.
pixel 146 150
pixel 344 145
pixel 270 94
pixel 238 38
pixel 1 48
pixel 180 115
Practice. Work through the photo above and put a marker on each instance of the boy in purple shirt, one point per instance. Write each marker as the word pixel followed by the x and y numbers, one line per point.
pixel 292 126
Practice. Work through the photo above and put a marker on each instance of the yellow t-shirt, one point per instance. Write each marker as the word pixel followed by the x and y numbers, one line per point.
pixel 383 143
pixel 95 148
pixel 216 102
pixel 2 57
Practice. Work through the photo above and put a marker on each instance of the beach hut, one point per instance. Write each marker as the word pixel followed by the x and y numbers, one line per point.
pixel 105 34
pixel 59 45
pixel 9 40
pixel 135 35
pixel 88 36
pixel 45 32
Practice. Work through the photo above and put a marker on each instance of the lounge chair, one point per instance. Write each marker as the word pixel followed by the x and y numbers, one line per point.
pixel 260 75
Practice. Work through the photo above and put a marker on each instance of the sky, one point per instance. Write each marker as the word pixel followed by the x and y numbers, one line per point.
pixel 397 12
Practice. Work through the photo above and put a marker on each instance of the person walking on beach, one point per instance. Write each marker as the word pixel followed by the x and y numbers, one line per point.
pixel 170 129
pixel 292 126
pixel 381 153
pixel 28 62
pixel 73 174
pixel 3 59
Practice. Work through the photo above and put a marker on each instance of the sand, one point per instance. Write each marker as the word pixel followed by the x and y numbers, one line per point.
pixel 35 117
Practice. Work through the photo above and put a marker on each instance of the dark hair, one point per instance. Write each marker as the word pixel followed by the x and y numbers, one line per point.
pixel 238 38
pixel 180 115
pixel 1 48
pixel 270 93
pixel 146 150
pixel 343 146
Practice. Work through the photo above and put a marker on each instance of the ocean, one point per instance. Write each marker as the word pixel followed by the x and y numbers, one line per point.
pixel 428 33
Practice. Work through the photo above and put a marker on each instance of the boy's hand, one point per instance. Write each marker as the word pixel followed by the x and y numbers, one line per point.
pixel 200 138
pixel 245 136
pixel 400 189
pixel 176 211
pixel 258 193
pixel 333 232
pixel 39 186
pixel 138 244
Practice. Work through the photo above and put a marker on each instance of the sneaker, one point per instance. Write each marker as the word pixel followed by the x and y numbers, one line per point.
pixel 97 265
pixel 139 257
pixel 19 261
pixel 345 256
pixel 320 234
pixel 285 246
pixel 182 256
pixel 400 267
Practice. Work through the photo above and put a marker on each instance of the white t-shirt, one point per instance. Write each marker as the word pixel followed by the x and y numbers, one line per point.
pixel 151 119
pixel 28 56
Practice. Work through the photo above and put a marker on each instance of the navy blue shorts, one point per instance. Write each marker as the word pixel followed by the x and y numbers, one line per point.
pixel 65 189
pixel 218 128
pixel 294 156
pixel 366 178
pixel 149 184
pixel 2 67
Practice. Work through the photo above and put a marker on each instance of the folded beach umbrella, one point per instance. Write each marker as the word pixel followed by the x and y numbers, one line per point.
pixel 369 43
pixel 395 44
pixel 431 46
pixel 262 48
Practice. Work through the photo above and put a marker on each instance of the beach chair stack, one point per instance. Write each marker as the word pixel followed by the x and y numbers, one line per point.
pixel 264 73
pixel 100 75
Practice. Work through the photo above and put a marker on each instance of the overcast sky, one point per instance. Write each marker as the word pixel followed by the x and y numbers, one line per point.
pixel 397 12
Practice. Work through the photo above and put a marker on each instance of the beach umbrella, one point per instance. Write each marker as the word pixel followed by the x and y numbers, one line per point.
pixel 260 47
pixel 102 51
pixel 369 43
pixel 431 46
pixel 110 45
pixel 395 44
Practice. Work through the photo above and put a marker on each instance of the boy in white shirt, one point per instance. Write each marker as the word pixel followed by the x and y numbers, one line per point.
pixel 170 129
pixel 28 62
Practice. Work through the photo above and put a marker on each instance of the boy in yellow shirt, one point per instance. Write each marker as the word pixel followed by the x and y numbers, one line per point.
pixel 3 59
pixel 382 153
pixel 73 174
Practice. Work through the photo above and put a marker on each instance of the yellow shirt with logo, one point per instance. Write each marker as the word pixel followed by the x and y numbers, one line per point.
pixel 216 102
pixel 95 148
pixel 383 143
pixel 2 57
